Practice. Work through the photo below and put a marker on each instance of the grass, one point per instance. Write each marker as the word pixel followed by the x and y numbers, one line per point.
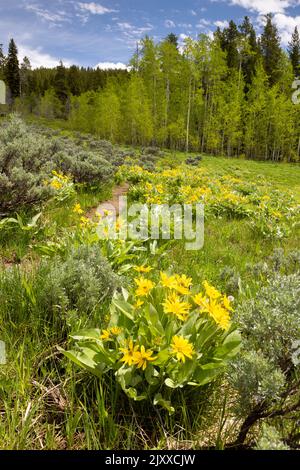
pixel 46 403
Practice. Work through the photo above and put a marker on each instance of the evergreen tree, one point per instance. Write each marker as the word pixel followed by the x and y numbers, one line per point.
pixel 74 80
pixel 12 72
pixel 271 50
pixel 61 84
pixel 230 44
pixel 250 49
pixel 294 51
pixel 172 39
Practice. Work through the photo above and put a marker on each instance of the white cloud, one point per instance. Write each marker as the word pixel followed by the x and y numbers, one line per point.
pixel 221 24
pixel 286 25
pixel 38 58
pixel 193 12
pixel 183 36
pixel 203 23
pixel 112 65
pixel 125 26
pixel 131 34
pixel 48 16
pixel 95 8
pixel 169 24
pixel 264 6
pixel 185 25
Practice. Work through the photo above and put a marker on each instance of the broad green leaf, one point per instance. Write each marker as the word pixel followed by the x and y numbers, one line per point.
pixel 166 404
pixel 124 307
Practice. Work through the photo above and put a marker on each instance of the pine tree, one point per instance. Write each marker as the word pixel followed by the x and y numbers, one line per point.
pixel 250 50
pixel 231 37
pixel 74 80
pixel 294 51
pixel 61 84
pixel 271 50
pixel 12 71
pixel 172 39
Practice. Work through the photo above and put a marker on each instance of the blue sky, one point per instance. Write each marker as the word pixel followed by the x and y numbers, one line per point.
pixel 106 31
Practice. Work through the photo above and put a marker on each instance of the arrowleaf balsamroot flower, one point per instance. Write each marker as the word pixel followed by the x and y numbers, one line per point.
pixel 144 286
pixel 129 353
pixel 219 314
pixel 167 281
pixel 142 357
pixel 77 209
pixel 115 330
pixel 202 302
pixel 138 304
pixel 211 291
pixel 175 305
pixel 143 269
pixel 182 348
pixel 105 335
pixel 182 284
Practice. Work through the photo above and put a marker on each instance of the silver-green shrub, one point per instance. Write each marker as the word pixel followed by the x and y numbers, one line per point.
pixel 28 156
pixel 266 375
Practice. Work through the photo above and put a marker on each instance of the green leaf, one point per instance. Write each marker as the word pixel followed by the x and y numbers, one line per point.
pixel 207 373
pixel 124 307
pixel 162 357
pixel 132 393
pixel 93 333
pixel 166 404
pixel 230 347
pixel 84 360
pixel 170 383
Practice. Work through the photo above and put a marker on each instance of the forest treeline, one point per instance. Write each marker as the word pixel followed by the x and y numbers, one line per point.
pixel 229 95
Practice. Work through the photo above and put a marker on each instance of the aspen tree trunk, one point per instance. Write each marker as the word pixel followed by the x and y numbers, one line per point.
pixel 188 117
pixel 204 122
pixel 167 104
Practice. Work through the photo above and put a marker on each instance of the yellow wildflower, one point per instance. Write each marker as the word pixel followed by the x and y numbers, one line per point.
pixel 142 357
pixel 77 209
pixel 219 314
pixel 118 224
pixel 211 291
pixel 182 348
pixel 144 286
pixel 143 269
pixel 115 330
pixel 129 353
pixel 167 281
pixel 107 212
pixel 182 284
pixel 56 184
pixel 226 303
pixel 159 188
pixel 201 301
pixel 138 304
pixel 105 335
pixel 84 222
pixel 173 304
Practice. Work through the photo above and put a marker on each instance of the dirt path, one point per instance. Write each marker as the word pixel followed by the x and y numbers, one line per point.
pixel 117 192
